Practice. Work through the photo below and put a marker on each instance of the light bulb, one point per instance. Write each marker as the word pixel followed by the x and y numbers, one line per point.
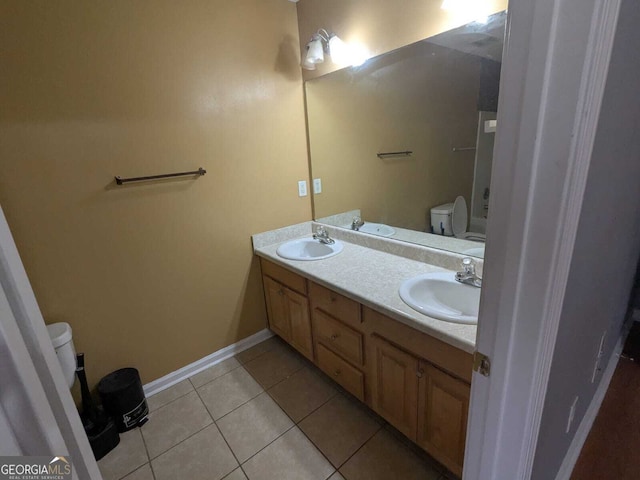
pixel 314 52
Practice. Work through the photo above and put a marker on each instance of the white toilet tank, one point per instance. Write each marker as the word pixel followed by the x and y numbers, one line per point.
pixel 60 334
pixel 441 219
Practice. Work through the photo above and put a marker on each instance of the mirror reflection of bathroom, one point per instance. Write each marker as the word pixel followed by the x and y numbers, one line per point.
pixel 403 145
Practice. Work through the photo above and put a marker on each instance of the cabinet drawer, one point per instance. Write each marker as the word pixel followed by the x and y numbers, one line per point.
pixel 338 337
pixel 284 276
pixel 349 377
pixel 339 306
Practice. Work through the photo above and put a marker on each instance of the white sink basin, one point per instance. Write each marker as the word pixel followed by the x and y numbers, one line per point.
pixel 440 296
pixel 377 229
pixel 308 249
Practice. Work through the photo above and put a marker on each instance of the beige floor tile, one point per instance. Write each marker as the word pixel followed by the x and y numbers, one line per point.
pixel 211 373
pixel 254 425
pixel 129 455
pixel 174 422
pixel 160 399
pixel 302 393
pixel 229 392
pixel 385 458
pixel 290 457
pixel 204 456
pixel 274 366
pixel 259 349
pixel 339 428
pixel 143 473
pixel 336 476
pixel 237 474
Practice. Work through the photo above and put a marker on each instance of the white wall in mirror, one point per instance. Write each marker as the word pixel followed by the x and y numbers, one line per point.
pixel 431 98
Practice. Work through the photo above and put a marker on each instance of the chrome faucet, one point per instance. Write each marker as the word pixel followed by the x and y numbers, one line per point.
pixel 356 223
pixel 468 274
pixel 323 236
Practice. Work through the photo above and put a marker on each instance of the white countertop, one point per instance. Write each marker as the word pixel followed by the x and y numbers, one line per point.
pixel 373 277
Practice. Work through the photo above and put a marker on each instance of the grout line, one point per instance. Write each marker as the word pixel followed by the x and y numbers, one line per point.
pixel 139 468
pixel 146 449
pixel 281 435
pixel 235 408
pixel 182 441
pixel 171 401
pixel 214 379
pixel 222 435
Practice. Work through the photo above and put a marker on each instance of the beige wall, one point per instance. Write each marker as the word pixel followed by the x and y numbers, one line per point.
pixel 153 276
pixel 380 25
pixel 422 99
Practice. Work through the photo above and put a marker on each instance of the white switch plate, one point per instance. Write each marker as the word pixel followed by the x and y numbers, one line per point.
pixel 302 188
pixel 317 186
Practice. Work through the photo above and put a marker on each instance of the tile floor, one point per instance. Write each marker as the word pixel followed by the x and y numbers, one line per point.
pixel 265 414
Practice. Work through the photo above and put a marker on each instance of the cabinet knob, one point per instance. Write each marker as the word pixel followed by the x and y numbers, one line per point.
pixel 336 373
pixel 281 292
pixel 420 373
pixel 334 336
pixel 333 298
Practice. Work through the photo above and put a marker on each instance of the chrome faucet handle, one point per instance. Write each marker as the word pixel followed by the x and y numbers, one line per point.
pixel 356 223
pixel 468 266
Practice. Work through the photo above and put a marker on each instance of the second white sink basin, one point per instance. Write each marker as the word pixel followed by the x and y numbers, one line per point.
pixel 440 296
pixel 377 229
pixel 371 228
pixel 308 249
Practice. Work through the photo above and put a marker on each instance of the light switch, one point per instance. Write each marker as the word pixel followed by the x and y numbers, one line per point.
pixel 302 188
pixel 317 186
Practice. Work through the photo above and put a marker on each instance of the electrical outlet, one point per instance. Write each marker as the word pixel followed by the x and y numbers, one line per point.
pixel 302 188
pixel 317 186
pixel 572 414
pixel 597 368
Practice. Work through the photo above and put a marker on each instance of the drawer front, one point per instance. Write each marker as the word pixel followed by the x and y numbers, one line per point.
pixel 349 377
pixel 284 276
pixel 336 305
pixel 338 337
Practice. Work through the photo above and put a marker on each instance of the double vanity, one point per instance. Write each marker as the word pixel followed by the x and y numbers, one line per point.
pixel 385 320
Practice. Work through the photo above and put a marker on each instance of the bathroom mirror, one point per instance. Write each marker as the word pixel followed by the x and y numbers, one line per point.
pixel 408 132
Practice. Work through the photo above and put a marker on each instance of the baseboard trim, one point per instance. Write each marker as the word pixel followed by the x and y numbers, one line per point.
pixel 570 459
pixel 183 373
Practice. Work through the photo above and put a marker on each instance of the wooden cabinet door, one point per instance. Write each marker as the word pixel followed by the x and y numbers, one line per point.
pixel 299 322
pixel 394 386
pixel 442 416
pixel 277 308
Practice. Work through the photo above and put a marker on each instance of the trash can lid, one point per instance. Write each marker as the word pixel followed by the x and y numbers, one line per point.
pixel 59 333
pixel 118 380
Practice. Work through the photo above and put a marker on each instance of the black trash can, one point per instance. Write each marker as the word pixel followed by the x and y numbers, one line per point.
pixel 123 398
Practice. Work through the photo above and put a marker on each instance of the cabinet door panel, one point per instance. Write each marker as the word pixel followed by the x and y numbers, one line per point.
pixel 277 308
pixel 442 416
pixel 300 323
pixel 395 386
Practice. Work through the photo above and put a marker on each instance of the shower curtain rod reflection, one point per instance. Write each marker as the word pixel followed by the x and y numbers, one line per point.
pixel 121 181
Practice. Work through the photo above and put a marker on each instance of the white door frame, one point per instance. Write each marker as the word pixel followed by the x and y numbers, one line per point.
pixel 555 65
pixel 36 406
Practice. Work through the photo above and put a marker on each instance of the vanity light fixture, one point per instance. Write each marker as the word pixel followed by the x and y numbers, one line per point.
pixel 330 44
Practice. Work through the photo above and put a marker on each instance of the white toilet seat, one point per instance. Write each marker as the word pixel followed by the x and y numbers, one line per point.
pixel 459 218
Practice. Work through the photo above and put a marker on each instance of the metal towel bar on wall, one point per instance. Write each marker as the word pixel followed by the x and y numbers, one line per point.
pixel 121 181
pixel 405 153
